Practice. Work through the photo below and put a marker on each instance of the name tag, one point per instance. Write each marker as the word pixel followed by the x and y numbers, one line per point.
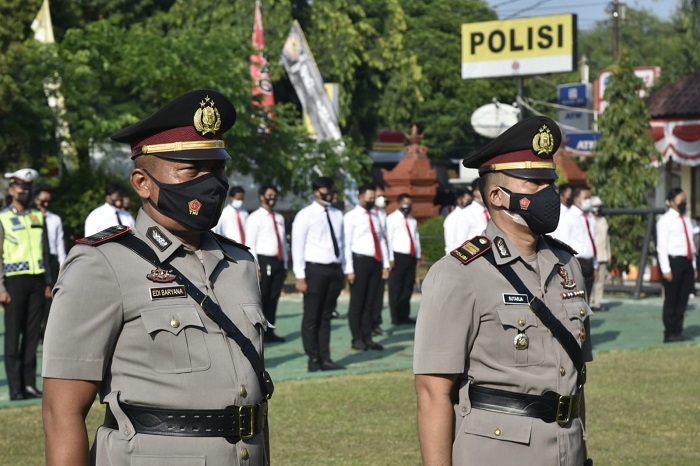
pixel 168 292
pixel 512 298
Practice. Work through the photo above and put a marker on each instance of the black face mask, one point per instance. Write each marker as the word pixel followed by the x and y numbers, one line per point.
pixel 369 205
pixel 682 207
pixel 118 202
pixel 540 210
pixel 271 201
pixel 406 209
pixel 24 198
pixel 326 198
pixel 44 204
pixel 196 203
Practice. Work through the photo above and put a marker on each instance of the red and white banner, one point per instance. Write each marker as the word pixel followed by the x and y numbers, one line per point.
pixel 260 69
pixel 678 140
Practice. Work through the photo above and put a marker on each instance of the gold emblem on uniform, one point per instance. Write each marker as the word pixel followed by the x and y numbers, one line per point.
pixel 582 334
pixel 521 341
pixel 483 240
pixel 543 142
pixel 568 283
pixel 207 118
pixel 161 276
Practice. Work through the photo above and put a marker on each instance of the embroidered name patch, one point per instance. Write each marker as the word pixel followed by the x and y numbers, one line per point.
pixel 513 298
pixel 168 292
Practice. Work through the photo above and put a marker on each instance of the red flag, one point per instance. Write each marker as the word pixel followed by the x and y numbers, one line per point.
pixel 259 69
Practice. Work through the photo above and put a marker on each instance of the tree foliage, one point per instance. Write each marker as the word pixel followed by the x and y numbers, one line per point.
pixel 622 172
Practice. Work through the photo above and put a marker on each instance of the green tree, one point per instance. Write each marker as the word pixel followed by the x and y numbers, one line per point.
pixel 622 172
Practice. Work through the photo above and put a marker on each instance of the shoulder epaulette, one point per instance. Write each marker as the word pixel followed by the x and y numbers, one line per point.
pixel 471 249
pixel 223 239
pixel 560 244
pixel 105 236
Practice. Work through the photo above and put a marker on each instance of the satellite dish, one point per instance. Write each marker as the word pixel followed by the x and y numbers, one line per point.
pixel 491 120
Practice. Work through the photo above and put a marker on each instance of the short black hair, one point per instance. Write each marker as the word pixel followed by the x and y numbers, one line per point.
pixel 475 184
pixel 563 187
pixel 265 187
pixel 403 196
pixel 322 182
pixel 41 189
pixel 366 187
pixel 114 188
pixel 576 190
pixel 235 190
pixel 673 192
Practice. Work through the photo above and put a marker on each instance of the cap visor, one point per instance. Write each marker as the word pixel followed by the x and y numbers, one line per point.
pixel 195 154
pixel 533 173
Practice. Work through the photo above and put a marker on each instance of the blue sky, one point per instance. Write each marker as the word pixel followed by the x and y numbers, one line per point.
pixel 588 11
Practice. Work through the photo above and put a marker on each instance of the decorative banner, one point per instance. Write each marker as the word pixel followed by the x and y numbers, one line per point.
pixel 260 69
pixel 678 139
pixel 308 84
pixel 519 47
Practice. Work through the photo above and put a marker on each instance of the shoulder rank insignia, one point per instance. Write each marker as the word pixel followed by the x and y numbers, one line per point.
pixel 161 276
pixel 560 244
pixel 105 236
pixel 471 249
pixel 222 239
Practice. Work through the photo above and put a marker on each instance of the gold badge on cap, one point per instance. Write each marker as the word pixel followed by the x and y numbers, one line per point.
pixel 207 118
pixel 543 142
pixel 521 341
pixel 568 283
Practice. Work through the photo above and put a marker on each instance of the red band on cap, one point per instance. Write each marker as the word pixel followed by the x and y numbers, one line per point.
pixel 182 134
pixel 518 156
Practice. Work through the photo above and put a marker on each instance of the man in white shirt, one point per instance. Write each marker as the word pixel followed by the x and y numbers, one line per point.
pixel 474 217
pixel 366 264
pixel 265 235
pixel 318 259
pixel 677 262
pixel 380 204
pixel 404 241
pixel 577 228
pixel 452 225
pixel 602 244
pixel 110 213
pixel 565 201
pixel 233 217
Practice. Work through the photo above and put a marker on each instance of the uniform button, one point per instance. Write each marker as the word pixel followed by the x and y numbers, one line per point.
pixel 497 432
pixel 521 322
pixel 464 409
pixel 582 312
pixel 244 453
pixel 127 431
pixel 562 371
pixel 174 323
pixel 244 392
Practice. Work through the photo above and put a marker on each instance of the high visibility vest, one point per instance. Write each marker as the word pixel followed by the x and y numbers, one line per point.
pixel 23 248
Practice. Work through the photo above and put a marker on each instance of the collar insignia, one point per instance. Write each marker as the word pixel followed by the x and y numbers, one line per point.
pixel 207 118
pixel 161 276
pixel 194 206
pixel 543 142
pixel 567 283
pixel 501 247
pixel 158 238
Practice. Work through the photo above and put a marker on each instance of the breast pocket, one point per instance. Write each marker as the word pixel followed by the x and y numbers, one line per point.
pixel 259 324
pixel 521 343
pixel 577 312
pixel 177 339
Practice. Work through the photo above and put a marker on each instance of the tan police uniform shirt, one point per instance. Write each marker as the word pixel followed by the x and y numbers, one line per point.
pixel 464 327
pixel 157 348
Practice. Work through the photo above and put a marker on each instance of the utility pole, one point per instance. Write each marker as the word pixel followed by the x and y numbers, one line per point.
pixel 616 30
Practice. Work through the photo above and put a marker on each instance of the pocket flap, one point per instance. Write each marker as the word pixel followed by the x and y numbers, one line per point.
pixel 255 314
pixel 171 318
pixel 499 426
pixel 518 318
pixel 577 309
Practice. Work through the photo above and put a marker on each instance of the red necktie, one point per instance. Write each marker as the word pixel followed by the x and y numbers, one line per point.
pixel 588 230
pixel 277 234
pixel 410 237
pixel 377 249
pixel 240 226
pixel 687 239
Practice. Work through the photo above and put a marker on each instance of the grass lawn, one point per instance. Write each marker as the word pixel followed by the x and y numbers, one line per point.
pixel 642 408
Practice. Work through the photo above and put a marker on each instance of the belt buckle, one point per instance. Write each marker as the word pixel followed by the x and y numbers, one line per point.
pixel 246 418
pixel 561 420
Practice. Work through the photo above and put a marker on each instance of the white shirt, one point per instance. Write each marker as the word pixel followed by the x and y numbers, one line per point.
pixel 311 238
pixel 359 238
pixel 472 221
pixel 228 225
pixel 381 213
pixel 260 234
pixel 573 230
pixel 559 233
pixel 451 227
pixel 105 216
pixel 54 231
pixel 670 238
pixel 398 234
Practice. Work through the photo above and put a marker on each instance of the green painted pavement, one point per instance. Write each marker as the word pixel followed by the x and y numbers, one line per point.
pixel 628 325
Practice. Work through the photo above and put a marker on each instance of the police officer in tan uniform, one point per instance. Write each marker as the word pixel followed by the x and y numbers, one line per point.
pixel 178 389
pixel 494 384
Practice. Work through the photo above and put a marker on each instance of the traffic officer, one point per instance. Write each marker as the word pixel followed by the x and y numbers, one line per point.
pixel 25 283
pixel 494 384
pixel 142 327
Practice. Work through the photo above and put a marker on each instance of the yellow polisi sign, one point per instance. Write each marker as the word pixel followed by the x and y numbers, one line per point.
pixel 519 47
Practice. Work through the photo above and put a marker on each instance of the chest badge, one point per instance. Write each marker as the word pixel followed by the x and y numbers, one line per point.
pixel 567 283
pixel 161 276
pixel 521 341
pixel 582 334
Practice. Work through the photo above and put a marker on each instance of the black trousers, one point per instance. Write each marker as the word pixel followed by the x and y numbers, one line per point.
pixel 22 321
pixel 378 305
pixel 588 275
pixel 363 296
pixel 676 294
pixel 401 280
pixel 272 278
pixel 324 284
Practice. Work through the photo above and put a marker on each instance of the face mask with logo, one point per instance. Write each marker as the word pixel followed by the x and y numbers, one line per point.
pixel 406 209
pixel 539 211
pixel 380 202
pixel 196 203
pixel 586 205
pixel 237 203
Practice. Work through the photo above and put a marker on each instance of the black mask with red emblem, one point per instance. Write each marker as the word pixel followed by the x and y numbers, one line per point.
pixel 540 211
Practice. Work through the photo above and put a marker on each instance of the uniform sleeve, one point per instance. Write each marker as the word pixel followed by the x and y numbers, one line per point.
pixel 2 264
pixel 417 242
pixel 300 229
pixel 446 322
pixel 60 242
pixel 85 320
pixel 348 231
pixel 662 245
pixel 252 225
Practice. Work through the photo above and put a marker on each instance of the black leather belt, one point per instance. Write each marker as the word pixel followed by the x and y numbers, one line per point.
pixel 549 407
pixel 236 422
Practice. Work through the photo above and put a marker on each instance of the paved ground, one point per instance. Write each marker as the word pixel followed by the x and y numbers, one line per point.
pixel 628 325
